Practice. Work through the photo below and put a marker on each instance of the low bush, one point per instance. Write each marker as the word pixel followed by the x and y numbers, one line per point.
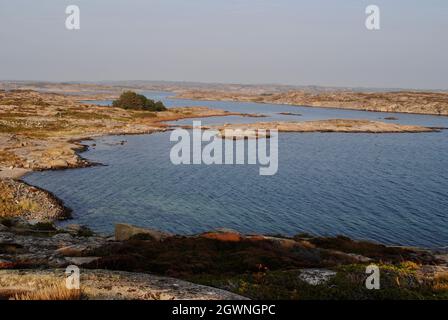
pixel 133 101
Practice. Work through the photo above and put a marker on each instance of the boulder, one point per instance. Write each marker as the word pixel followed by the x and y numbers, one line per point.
pixel 443 258
pixel 57 164
pixel 63 237
pixel 5 264
pixel 316 277
pixel 126 231
pixel 115 285
pixel 281 242
pixel 79 261
pixel 223 236
pixel 360 258
pixel 72 251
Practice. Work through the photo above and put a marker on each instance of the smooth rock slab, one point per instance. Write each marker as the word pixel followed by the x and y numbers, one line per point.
pixel 79 261
pixel 115 285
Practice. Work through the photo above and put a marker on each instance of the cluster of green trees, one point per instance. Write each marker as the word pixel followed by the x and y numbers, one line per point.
pixel 134 101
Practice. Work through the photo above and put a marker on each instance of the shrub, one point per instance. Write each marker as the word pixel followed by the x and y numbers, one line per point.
pixel 133 101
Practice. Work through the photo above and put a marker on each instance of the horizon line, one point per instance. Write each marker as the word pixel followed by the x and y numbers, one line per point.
pixel 227 83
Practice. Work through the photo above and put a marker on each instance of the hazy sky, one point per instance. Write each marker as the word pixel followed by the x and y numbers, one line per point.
pixel 314 42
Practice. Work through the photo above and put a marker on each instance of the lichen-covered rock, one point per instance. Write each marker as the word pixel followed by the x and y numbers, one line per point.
pixel 316 276
pixel 18 199
pixel 126 231
pixel 223 235
pixel 113 285
pixel 79 261
pixel 24 244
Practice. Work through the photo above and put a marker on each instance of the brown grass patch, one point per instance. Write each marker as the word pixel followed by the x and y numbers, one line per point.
pixel 8 158
pixel 143 115
pixel 13 206
pixel 441 282
pixel 26 126
pixel 84 115
pixel 23 101
pixel 8 115
pixel 8 206
pixel 52 292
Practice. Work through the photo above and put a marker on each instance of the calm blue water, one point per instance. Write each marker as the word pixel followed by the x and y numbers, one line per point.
pixel 391 188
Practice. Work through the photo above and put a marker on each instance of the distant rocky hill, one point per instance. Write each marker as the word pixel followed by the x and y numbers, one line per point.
pixel 435 103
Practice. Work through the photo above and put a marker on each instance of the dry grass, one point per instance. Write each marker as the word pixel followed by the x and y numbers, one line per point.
pixel 20 101
pixel 8 206
pixel 28 205
pixel 84 115
pixel 31 127
pixel 441 283
pixel 410 265
pixel 52 292
pixel 6 294
pixel 11 205
pixel 143 115
pixel 7 158
pixel 8 115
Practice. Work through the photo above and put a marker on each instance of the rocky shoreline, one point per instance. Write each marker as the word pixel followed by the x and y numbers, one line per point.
pixel 34 136
pixel 31 203
pixel 44 131
pixel 40 131
pixel 33 256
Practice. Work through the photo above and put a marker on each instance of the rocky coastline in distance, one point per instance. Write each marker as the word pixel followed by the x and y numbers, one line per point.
pixel 418 102
pixel 41 131
pixel 397 100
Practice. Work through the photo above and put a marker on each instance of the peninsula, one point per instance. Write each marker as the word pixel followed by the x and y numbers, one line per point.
pixel 435 103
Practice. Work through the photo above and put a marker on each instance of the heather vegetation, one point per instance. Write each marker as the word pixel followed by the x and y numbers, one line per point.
pixel 263 268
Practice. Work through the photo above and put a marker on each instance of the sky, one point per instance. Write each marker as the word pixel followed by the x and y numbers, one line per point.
pixel 314 42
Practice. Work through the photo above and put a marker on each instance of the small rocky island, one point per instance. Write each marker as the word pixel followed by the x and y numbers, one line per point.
pixel 234 131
